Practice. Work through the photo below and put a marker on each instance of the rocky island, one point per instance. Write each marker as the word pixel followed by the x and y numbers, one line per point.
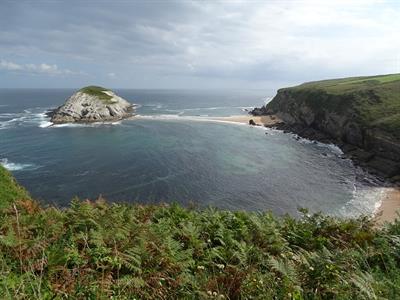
pixel 359 114
pixel 92 104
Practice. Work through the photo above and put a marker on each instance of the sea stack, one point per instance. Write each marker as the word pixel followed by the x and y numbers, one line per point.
pixel 92 104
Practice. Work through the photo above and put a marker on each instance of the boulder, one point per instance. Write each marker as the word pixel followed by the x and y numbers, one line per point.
pixel 251 122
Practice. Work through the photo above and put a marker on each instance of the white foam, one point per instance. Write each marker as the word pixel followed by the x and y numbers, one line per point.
pixel 71 125
pixel 41 119
pixel 170 117
pixel 95 124
pixel 23 118
pixel 332 147
pixel 11 123
pixel 243 108
pixel 367 195
pixel 15 166
pixel 45 124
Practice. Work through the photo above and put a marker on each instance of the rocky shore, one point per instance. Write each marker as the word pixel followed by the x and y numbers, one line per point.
pixel 383 168
pixel 92 104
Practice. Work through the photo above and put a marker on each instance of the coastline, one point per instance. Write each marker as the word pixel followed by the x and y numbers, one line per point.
pixel 389 206
pixel 269 120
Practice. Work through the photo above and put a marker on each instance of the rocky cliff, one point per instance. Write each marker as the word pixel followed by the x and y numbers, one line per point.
pixel 360 114
pixel 92 104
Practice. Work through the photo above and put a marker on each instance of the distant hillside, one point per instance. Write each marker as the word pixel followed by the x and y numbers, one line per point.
pixel 359 111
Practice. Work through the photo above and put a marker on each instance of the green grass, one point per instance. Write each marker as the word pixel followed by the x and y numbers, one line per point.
pixel 374 99
pixel 95 250
pixel 350 83
pixel 378 79
pixel 97 91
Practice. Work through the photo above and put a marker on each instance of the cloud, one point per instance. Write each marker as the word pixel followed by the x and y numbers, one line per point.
pixel 10 66
pixel 172 43
pixel 36 68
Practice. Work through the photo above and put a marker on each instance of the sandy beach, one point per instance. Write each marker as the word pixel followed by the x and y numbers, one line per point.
pixel 390 205
pixel 259 120
pixel 242 119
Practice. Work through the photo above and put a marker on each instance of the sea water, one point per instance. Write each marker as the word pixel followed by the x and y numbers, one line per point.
pixel 176 152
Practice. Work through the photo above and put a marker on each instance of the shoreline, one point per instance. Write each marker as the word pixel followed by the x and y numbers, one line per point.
pixel 261 121
pixel 245 119
pixel 390 204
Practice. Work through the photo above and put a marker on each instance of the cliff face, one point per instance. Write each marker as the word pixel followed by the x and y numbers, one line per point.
pixel 92 104
pixel 360 114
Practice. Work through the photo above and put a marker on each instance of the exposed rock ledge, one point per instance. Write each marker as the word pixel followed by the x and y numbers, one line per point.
pixel 92 104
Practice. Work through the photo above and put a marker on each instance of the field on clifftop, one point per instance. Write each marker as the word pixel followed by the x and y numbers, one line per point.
pixel 95 250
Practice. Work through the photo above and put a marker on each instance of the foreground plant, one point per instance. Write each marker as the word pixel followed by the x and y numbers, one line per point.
pixel 96 250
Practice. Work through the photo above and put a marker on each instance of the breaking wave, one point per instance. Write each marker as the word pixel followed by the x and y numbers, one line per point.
pixel 11 166
pixel 28 117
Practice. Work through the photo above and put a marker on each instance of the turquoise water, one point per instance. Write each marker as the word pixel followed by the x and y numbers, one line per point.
pixel 176 153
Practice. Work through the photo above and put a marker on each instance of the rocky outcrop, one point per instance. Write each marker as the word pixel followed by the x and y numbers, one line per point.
pixel 252 123
pixel 92 104
pixel 336 118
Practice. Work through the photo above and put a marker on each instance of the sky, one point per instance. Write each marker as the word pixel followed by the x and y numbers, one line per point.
pixel 194 44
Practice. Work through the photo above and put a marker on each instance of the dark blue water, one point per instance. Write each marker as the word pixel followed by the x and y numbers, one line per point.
pixel 175 152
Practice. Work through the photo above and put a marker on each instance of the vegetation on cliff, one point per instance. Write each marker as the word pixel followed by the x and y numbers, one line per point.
pixel 97 91
pixel 95 250
pixel 10 190
pixel 373 100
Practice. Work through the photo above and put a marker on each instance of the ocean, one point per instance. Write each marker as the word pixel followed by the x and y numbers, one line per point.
pixel 176 152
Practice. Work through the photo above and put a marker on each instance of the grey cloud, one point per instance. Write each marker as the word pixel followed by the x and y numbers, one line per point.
pixel 36 68
pixel 246 41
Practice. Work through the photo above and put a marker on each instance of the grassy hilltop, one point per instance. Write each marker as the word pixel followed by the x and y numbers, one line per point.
pixel 95 250
pixel 98 92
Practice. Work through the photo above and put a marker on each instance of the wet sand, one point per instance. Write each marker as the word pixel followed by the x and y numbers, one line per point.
pixel 387 212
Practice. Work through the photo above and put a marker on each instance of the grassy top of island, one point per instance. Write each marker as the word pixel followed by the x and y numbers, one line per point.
pixel 97 91
pixel 96 250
